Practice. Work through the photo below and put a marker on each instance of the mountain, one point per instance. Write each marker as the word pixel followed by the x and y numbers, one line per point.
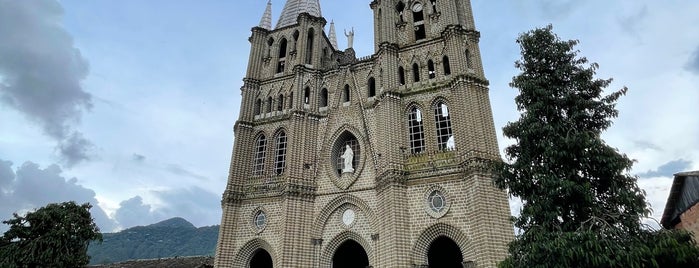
pixel 168 238
pixel 176 222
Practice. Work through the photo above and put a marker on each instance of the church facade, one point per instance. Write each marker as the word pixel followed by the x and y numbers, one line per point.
pixel 379 161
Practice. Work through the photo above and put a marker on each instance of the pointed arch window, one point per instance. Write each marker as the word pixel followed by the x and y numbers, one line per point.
pixel 445 137
pixel 258 167
pixel 469 63
pixel 280 102
pixel 323 100
pixel 372 87
pixel 268 52
pixel 306 95
pixel 282 56
pixel 346 94
pixel 379 21
pixel 430 70
pixel 400 7
pixel 401 75
pixel 296 40
pixel 258 106
pixel 416 73
pixel 269 105
pixel 416 131
pixel 280 153
pixel 445 64
pixel 309 46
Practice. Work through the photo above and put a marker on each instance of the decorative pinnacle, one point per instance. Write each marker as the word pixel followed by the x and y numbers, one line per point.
pixel 266 21
pixel 332 35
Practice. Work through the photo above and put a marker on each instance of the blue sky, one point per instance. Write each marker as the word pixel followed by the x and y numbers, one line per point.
pixel 130 105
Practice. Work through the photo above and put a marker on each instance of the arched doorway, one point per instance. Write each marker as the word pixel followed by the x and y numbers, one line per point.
pixel 350 254
pixel 444 253
pixel 261 259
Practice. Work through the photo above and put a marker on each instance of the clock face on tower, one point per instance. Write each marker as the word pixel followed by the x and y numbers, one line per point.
pixel 417 7
pixel 348 217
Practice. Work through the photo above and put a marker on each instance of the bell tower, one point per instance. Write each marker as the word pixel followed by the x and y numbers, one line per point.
pixel 378 161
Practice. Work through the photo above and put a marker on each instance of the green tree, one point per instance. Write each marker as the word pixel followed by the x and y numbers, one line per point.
pixel 581 207
pixel 56 235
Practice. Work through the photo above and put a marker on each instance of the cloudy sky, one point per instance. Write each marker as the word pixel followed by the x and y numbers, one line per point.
pixel 130 105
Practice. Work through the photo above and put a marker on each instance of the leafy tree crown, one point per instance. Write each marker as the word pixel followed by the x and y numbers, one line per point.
pixel 581 207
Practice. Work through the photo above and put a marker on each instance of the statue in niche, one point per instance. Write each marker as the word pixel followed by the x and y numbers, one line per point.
pixel 348 157
pixel 350 37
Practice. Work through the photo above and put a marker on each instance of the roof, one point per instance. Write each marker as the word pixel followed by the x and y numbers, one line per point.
pixel 266 21
pixel 173 262
pixel 293 8
pixel 683 195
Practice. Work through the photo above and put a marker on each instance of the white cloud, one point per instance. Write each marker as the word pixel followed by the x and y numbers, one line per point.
pixel 41 73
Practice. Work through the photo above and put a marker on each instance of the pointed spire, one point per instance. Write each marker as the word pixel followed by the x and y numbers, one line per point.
pixel 332 35
pixel 266 21
pixel 293 8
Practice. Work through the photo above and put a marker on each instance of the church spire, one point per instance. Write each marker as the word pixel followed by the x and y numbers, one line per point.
pixel 266 21
pixel 332 35
pixel 293 8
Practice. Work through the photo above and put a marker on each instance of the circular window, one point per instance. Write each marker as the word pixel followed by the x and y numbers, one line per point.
pixel 260 220
pixel 437 201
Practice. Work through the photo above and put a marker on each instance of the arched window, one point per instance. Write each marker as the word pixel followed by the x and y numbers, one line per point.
pixel 268 52
pixel 291 100
pixel 372 87
pixel 258 167
pixel 280 102
pixel 401 75
pixel 380 24
pixel 346 94
pixel 296 40
pixel 282 56
pixel 400 7
pixel 306 95
pixel 445 137
pixel 269 104
pixel 280 153
pixel 445 63
pixel 430 69
pixel 309 46
pixel 415 130
pixel 323 100
pixel 468 59
pixel 258 106
pixel 416 73
pixel 418 21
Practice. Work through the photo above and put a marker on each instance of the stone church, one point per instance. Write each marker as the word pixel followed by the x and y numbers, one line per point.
pixel 375 161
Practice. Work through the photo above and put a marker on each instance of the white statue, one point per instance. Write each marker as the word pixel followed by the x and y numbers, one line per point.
pixel 348 157
pixel 350 37
pixel 451 145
